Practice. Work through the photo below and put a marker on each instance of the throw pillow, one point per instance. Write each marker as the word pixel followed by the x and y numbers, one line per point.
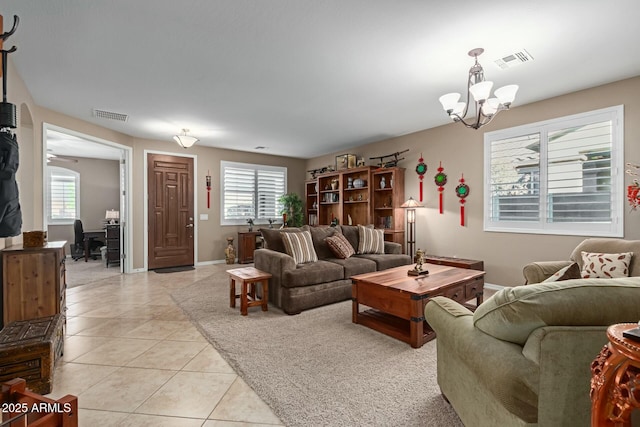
pixel 319 235
pixel 606 266
pixel 272 237
pixel 571 271
pixel 371 240
pixel 340 246
pixel 299 246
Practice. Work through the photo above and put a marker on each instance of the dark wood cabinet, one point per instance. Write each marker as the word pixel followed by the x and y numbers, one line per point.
pixel 472 264
pixel 112 235
pixel 248 241
pixel 33 282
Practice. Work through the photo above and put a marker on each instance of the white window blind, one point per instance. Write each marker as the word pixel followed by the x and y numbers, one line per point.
pixel 63 195
pixel 561 176
pixel 251 191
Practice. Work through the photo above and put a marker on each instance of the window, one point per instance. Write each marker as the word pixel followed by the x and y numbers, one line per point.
pixel 561 176
pixel 63 197
pixel 251 191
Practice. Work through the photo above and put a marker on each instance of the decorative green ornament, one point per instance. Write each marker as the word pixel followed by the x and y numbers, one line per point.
pixel 462 190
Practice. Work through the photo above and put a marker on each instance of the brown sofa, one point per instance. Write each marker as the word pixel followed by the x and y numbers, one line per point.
pixel 294 288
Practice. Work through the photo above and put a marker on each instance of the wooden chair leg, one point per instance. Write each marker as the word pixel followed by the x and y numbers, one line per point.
pixel 243 299
pixel 232 293
pixel 265 295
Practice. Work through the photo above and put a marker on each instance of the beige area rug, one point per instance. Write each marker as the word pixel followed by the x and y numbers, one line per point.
pixel 81 273
pixel 318 368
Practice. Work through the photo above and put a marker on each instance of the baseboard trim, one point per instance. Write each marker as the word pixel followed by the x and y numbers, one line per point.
pixel 215 261
pixel 493 287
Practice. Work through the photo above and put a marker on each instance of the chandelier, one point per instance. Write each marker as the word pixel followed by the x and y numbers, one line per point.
pixel 185 140
pixel 485 108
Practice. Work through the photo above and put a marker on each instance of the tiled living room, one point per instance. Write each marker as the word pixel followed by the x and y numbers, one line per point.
pixel 457 191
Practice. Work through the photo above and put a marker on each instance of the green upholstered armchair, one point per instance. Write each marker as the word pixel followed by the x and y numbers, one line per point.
pixel 537 272
pixel 523 358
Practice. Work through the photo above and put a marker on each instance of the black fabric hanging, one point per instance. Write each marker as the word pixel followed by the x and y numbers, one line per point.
pixel 10 213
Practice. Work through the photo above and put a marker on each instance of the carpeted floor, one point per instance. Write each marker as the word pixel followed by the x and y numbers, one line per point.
pixel 318 368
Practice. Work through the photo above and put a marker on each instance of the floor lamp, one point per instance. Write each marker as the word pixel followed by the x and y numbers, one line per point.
pixel 411 205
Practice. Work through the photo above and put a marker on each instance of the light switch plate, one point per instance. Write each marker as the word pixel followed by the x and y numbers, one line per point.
pixel 204 217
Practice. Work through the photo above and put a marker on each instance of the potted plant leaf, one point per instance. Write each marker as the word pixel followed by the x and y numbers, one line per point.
pixel 292 206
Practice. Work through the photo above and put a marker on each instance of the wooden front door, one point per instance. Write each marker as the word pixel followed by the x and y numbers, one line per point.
pixel 170 181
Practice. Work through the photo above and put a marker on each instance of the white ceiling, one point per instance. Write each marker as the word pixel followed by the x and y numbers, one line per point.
pixel 67 145
pixel 305 77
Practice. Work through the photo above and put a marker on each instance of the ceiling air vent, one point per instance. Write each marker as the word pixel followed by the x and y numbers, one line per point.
pixel 110 115
pixel 514 59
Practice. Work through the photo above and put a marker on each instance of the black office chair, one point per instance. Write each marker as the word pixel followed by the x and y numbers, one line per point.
pixel 78 246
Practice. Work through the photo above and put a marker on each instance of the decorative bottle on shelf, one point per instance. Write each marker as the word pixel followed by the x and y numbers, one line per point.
pixel 284 220
pixel 230 251
pixel 383 182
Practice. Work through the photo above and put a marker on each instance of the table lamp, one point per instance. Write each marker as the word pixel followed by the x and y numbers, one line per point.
pixel 112 216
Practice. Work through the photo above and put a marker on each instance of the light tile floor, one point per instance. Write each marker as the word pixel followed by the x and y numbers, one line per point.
pixel 134 359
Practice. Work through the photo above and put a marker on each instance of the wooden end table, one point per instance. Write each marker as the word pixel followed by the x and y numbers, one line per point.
pixel 397 300
pixel 249 277
pixel 615 379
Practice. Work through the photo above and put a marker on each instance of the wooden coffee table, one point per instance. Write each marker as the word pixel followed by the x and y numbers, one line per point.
pixel 397 300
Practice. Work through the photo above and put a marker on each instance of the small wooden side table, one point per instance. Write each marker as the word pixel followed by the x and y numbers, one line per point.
pixel 249 277
pixel 615 380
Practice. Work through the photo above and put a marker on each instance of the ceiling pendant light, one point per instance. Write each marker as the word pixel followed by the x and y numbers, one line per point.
pixel 486 108
pixel 185 140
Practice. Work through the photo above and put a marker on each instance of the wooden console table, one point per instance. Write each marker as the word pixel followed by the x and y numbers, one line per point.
pixel 248 242
pixel 616 379
pixel 455 262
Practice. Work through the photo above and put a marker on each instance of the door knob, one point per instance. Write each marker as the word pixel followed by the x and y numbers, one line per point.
pixel 189 225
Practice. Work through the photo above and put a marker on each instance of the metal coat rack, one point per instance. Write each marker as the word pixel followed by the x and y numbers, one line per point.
pixel 8 116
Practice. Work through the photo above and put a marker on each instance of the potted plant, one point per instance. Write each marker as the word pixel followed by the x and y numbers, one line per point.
pixel 292 206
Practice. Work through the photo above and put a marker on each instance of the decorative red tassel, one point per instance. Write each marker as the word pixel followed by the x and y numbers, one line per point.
pixel 462 191
pixel 208 182
pixel 440 180
pixel 421 169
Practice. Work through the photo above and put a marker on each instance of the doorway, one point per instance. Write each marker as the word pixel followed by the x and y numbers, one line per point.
pixel 69 149
pixel 170 210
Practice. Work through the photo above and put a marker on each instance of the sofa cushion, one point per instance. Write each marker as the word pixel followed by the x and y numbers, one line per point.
pixel 571 271
pixel 370 240
pixel 318 236
pixel 355 265
pixel 610 246
pixel 313 273
pixel 273 237
pixel 386 261
pixel 606 266
pixel 513 313
pixel 351 233
pixel 340 246
pixel 300 247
